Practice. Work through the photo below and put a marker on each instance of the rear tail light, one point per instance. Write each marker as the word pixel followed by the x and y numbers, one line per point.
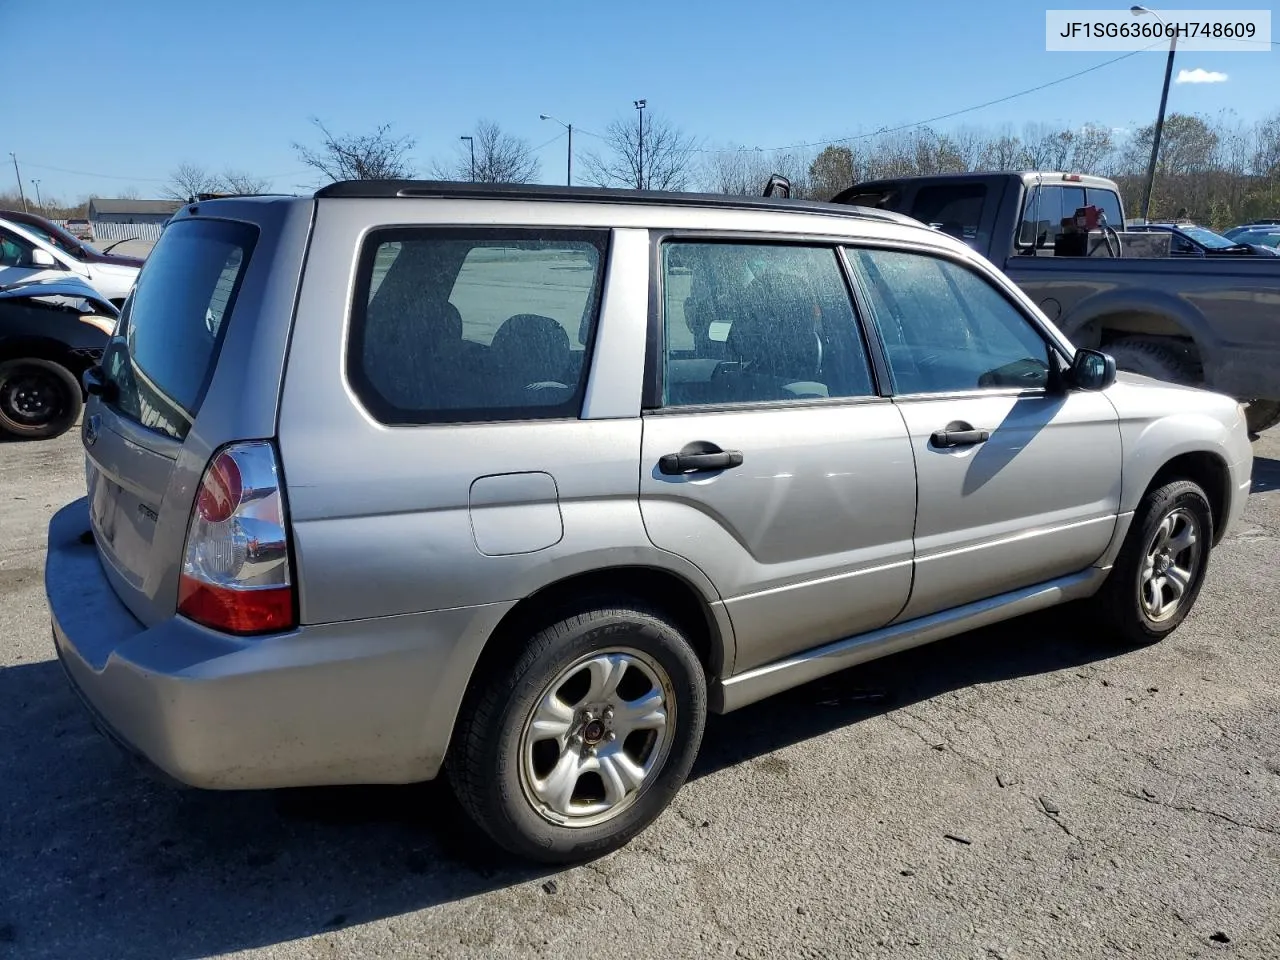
pixel 235 569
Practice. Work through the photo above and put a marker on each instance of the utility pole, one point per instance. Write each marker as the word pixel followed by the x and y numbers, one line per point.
pixel 640 153
pixel 36 183
pixel 472 142
pixel 1138 11
pixel 21 192
pixel 568 170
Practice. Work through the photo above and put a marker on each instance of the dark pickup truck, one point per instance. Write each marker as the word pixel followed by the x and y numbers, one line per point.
pixel 1212 322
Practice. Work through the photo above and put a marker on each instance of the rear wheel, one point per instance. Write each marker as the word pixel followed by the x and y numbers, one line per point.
pixel 1154 359
pixel 39 399
pixel 582 741
pixel 1160 569
pixel 1261 415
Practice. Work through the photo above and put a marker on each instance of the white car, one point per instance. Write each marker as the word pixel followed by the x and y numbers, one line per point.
pixel 25 256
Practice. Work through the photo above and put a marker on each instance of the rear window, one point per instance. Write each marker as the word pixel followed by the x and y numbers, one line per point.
pixel 163 354
pixel 455 325
pixel 952 208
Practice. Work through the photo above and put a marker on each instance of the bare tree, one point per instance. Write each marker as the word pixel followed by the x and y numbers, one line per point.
pixel 235 181
pixel 668 156
pixel 500 157
pixel 358 156
pixel 190 180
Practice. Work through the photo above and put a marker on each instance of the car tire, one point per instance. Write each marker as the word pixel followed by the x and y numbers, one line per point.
pixel 1261 415
pixel 1159 571
pixel 1151 358
pixel 39 399
pixel 559 755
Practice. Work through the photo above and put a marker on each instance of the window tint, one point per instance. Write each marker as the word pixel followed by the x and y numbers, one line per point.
pixel 1108 203
pixel 166 344
pixel 475 325
pixel 954 209
pixel 1044 212
pixel 945 328
pixel 754 322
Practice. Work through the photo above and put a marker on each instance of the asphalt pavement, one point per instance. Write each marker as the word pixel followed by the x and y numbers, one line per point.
pixel 1025 791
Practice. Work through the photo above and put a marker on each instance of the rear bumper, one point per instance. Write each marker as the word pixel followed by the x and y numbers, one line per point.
pixel 369 701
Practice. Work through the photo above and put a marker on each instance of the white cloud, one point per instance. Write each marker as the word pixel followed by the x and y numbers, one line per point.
pixel 1200 75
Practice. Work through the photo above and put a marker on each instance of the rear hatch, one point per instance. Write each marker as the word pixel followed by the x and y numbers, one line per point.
pixel 143 460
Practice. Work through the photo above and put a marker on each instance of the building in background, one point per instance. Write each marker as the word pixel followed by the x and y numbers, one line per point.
pixel 131 211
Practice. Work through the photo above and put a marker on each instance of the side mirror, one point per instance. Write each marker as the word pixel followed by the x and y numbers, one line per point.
pixel 1092 370
pixel 41 257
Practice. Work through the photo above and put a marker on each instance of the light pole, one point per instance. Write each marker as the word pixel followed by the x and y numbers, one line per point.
pixel 568 169
pixel 1138 11
pixel 640 153
pixel 21 192
pixel 472 141
pixel 36 183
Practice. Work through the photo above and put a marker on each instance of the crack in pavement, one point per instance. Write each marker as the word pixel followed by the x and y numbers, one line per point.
pixel 1188 808
pixel 608 883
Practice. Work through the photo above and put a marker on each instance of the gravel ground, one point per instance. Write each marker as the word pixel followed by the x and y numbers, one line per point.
pixel 1019 792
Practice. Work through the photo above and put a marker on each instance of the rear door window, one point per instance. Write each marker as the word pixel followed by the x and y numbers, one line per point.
pixel 955 209
pixel 457 325
pixel 166 346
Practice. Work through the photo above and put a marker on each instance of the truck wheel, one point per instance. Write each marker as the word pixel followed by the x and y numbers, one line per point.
pixel 1150 358
pixel 1160 569
pixel 39 399
pixel 1261 415
pixel 570 749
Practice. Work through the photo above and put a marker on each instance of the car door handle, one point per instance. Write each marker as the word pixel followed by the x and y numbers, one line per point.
pixel 959 435
pixel 698 461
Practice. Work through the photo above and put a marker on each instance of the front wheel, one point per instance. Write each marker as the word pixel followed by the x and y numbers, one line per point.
pixel 1160 569
pixel 581 743
pixel 39 399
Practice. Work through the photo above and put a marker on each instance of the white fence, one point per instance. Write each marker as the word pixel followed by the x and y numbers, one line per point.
pixel 109 232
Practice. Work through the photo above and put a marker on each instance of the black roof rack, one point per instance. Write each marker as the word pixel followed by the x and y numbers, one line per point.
pixel 417 189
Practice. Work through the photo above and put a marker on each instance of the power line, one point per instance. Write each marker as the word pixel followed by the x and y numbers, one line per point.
pixel 941 116
pixel 558 136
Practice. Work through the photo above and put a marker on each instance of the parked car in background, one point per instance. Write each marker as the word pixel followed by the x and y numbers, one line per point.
pixel 73 246
pixel 1266 235
pixel 411 471
pixel 1201 321
pixel 81 229
pixel 51 331
pixel 1190 240
pixel 24 256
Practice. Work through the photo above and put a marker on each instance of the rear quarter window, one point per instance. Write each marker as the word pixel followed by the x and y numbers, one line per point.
pixel 166 346
pixel 458 325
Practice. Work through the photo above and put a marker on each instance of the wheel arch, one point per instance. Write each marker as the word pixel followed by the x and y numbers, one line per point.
pixel 45 348
pixel 1209 471
pixel 704 622
pixel 1101 319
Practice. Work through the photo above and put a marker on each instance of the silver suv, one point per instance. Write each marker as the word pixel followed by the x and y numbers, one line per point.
pixel 518 483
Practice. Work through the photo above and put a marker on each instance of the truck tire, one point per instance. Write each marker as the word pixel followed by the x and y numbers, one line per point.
pixel 1151 358
pixel 39 399
pixel 1261 415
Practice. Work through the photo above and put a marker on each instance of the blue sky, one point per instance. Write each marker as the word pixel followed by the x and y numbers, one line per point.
pixel 232 84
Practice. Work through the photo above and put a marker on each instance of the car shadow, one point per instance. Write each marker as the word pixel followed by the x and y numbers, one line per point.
pixel 100 860
pixel 1266 475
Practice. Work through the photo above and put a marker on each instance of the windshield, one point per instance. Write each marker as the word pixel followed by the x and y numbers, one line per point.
pixel 1207 238
pixel 54 235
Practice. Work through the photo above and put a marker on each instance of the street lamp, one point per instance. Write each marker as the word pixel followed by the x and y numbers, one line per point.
pixel 568 176
pixel 36 183
pixel 471 140
pixel 640 153
pixel 1139 11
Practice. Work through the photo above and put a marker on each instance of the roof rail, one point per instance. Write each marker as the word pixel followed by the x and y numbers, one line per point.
pixel 448 189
